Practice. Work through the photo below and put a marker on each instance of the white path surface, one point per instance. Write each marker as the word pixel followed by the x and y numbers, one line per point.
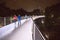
pixel 9 28
pixel 22 33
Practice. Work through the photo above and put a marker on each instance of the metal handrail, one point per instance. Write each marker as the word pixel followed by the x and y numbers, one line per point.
pixel 38 30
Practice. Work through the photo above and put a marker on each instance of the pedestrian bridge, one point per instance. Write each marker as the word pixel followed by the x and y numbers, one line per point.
pixel 24 32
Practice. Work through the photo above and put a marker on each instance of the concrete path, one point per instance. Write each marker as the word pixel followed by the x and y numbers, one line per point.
pixel 22 33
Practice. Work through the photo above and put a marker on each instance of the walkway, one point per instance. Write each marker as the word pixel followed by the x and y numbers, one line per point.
pixel 23 32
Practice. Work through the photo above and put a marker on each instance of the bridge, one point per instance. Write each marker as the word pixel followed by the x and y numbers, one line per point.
pixel 27 31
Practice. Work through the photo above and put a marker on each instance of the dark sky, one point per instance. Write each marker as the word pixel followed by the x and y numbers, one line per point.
pixel 30 4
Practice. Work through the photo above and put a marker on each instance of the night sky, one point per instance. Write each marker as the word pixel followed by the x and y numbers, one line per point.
pixel 30 4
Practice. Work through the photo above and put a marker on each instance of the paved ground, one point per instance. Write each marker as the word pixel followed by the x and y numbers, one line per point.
pixel 22 33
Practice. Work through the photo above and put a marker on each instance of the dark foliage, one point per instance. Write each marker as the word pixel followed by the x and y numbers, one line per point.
pixel 52 21
pixel 5 11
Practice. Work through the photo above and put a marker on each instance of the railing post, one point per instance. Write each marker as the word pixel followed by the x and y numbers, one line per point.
pixel 4 21
pixel 34 30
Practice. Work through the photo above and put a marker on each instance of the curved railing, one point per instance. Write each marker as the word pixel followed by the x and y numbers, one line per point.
pixel 37 35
